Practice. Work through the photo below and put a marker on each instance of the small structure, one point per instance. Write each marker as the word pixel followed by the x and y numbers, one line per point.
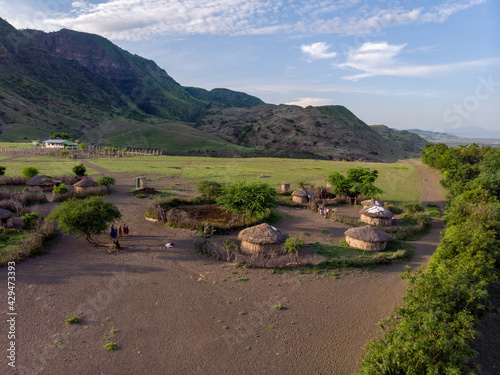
pixel 6 218
pixel 376 215
pixel 84 184
pixel 41 182
pixel 262 239
pixel 140 182
pixel 285 187
pixel 302 196
pixel 59 144
pixel 371 202
pixel 367 238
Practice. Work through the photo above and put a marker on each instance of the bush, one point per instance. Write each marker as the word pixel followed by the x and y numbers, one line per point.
pixel 293 245
pixel 60 189
pixel 30 198
pixel 106 181
pixel 29 172
pixel 79 170
pixel 413 207
pixel 208 189
pixel 31 219
pixel 2 170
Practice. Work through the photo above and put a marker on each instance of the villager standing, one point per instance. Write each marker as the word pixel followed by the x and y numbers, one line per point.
pixel 125 230
pixel 120 231
pixel 113 232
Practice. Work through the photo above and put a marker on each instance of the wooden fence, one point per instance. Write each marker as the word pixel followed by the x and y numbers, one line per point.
pixel 89 152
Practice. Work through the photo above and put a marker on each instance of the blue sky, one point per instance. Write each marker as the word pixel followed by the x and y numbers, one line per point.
pixel 428 64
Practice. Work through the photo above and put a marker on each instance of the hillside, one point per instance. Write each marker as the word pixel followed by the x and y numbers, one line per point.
pixel 87 86
pixel 331 132
pixel 453 140
pixel 74 81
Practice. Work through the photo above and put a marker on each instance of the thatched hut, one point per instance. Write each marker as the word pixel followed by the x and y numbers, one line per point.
pixel 371 202
pixel 285 187
pixel 262 239
pixel 84 184
pixel 367 238
pixel 6 218
pixel 302 196
pixel 376 215
pixel 41 182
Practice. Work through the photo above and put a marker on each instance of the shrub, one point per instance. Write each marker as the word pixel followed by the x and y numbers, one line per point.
pixel 29 172
pixel 2 170
pixel 79 170
pixel 31 219
pixel 105 181
pixel 60 189
pixel 30 198
pixel 293 245
pixel 208 189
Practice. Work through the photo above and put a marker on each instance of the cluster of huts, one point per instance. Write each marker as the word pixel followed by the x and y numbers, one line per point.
pixel 47 183
pixel 264 239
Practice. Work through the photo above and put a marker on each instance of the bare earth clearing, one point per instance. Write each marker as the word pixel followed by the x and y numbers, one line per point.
pixel 171 305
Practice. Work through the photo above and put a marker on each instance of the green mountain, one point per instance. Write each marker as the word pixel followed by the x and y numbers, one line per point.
pixel 74 81
pixel 83 84
pixel 331 132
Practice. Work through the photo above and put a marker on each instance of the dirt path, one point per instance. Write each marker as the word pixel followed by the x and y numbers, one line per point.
pixel 178 312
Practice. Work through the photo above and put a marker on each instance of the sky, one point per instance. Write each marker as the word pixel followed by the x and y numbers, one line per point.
pixel 426 64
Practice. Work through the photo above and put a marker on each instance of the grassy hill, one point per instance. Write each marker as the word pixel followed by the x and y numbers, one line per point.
pixel 331 132
pixel 82 84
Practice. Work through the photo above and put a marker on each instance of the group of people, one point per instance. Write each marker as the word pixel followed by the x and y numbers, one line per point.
pixel 326 211
pixel 122 231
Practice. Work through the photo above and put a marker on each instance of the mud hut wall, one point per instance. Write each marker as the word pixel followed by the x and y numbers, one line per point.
pixel 302 200
pixel 254 249
pixel 363 245
pixel 7 223
pixel 285 188
pixel 381 221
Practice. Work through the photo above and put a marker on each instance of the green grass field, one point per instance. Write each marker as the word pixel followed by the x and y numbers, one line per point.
pixel 45 165
pixel 17 145
pixel 400 182
pixel 168 136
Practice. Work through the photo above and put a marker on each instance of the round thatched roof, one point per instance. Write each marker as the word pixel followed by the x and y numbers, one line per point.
pixel 372 202
pixel 376 211
pixel 303 193
pixel 86 182
pixel 367 234
pixel 41 179
pixel 5 214
pixel 262 234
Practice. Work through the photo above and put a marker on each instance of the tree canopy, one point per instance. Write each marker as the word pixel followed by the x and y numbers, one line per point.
pixel 79 170
pixel 29 172
pixel 85 218
pixel 358 181
pixel 248 199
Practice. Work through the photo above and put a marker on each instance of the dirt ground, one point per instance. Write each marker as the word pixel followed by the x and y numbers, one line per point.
pixel 173 311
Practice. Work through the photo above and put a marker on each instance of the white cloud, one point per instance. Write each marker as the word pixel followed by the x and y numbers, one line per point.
pixel 143 19
pixel 305 102
pixel 317 51
pixel 379 59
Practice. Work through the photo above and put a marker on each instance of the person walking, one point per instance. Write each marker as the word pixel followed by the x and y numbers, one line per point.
pixel 112 234
pixel 120 231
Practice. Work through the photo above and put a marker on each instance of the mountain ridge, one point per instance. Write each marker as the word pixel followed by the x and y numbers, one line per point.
pixel 87 86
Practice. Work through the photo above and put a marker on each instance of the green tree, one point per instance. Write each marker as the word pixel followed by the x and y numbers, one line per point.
pixel 2 170
pixel 79 170
pixel 82 146
pixel 106 181
pixel 57 135
pixel 29 172
pixel 358 181
pixel 85 218
pixel 248 199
